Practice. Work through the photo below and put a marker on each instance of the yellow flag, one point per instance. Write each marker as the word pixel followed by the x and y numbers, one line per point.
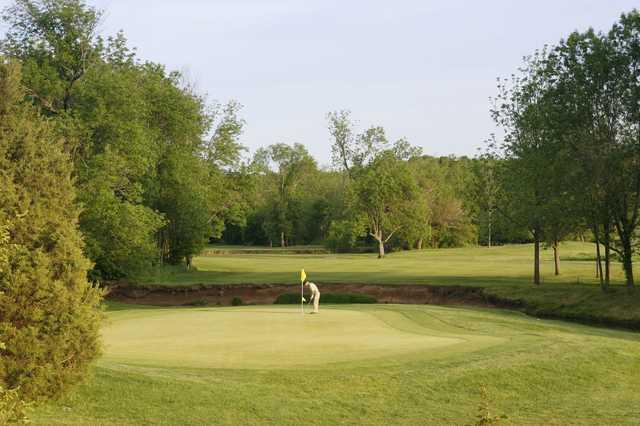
pixel 303 275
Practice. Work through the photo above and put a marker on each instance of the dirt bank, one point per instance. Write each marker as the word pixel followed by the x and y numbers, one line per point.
pixel 213 295
pixel 267 294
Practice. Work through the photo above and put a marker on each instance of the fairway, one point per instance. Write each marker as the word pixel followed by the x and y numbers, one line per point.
pixel 271 337
pixel 473 266
pixel 390 364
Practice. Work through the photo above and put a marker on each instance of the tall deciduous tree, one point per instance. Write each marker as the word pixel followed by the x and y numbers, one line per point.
pixel 597 92
pixel 343 148
pixel 387 194
pixel 228 203
pixel 484 191
pixel 124 123
pixel 55 40
pixel 383 185
pixel 286 166
pixel 531 150
pixel 624 39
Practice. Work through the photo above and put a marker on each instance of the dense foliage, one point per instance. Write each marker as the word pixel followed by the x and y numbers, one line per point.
pixel 389 196
pixel 13 410
pixel 151 187
pixel 570 156
pixel 49 313
pixel 159 172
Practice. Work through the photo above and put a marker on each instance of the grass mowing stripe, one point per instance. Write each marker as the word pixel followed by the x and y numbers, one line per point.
pixel 541 372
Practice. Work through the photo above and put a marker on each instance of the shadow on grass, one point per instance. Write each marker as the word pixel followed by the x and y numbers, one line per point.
pixel 112 306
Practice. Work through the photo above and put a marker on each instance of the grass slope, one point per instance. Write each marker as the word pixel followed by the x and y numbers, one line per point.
pixel 364 364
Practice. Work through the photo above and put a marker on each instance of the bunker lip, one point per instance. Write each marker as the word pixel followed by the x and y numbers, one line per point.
pixel 260 294
pixel 224 294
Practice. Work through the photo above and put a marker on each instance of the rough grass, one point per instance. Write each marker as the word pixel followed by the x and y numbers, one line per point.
pixel 222 249
pixel 584 303
pixel 354 364
pixel 478 266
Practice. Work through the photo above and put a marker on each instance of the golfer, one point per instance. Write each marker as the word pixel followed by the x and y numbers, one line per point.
pixel 315 295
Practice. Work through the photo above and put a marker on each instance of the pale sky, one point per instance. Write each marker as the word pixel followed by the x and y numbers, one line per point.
pixel 421 69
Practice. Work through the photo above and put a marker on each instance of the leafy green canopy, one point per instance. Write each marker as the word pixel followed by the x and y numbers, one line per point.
pixel 571 147
pixel 152 189
pixel 287 173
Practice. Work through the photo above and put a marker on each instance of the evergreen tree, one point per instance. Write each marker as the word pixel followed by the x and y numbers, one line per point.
pixel 49 313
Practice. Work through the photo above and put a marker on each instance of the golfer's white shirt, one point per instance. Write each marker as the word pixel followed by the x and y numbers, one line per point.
pixel 314 290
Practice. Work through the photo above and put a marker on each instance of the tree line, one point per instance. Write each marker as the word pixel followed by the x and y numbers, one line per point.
pixel 160 171
pixel 152 188
pixel 569 156
pixel 377 195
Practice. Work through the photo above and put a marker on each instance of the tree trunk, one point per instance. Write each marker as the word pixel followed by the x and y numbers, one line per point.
pixel 556 257
pixel 282 239
pixel 377 235
pixel 627 262
pixel 419 244
pixel 607 254
pixel 599 274
pixel 536 257
pixel 625 233
pixel 380 248
pixel 489 242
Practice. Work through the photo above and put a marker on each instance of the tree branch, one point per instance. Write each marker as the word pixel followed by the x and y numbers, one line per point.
pixel 391 234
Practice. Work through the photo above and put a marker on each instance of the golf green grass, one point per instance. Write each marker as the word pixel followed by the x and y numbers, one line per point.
pixel 364 364
pixel 260 338
pixel 475 266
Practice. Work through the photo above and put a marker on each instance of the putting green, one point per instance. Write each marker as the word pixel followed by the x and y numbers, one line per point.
pixel 269 337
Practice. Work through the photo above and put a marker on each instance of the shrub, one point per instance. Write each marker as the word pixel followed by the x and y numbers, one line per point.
pixel 49 313
pixel 236 301
pixel 344 234
pixel 485 417
pixel 198 302
pixel 329 298
pixel 12 408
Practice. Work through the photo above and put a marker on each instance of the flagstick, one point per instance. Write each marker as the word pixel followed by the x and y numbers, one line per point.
pixel 303 278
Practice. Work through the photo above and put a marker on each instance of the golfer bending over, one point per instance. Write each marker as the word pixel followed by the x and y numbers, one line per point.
pixel 315 295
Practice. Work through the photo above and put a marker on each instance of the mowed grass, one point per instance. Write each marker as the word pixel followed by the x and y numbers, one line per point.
pixel 258 338
pixel 481 266
pixel 505 272
pixel 373 364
